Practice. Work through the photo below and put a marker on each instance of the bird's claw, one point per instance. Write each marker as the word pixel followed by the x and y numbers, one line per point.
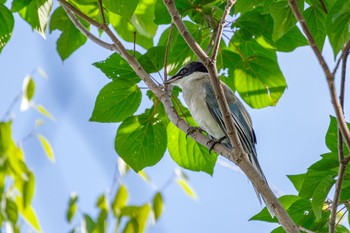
pixel 193 129
pixel 214 141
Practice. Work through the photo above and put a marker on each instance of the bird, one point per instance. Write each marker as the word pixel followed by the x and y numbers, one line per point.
pixel 199 96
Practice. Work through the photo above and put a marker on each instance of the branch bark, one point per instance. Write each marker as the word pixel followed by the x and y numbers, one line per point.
pixel 238 156
pixel 342 161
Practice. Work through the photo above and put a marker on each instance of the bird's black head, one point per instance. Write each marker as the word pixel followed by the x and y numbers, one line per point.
pixel 187 70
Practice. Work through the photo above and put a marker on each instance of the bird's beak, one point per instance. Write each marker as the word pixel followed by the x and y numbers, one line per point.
pixel 173 79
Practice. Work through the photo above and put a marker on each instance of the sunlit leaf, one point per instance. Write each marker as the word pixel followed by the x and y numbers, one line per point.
pixel 120 200
pixel 102 202
pixel 139 213
pixel 116 101
pixel 144 176
pixel 11 211
pixel 28 88
pixel 28 215
pixel 256 76
pixel 72 207
pixel 47 147
pixel 70 34
pixel 141 141
pixel 186 188
pixel 89 224
pixel 37 14
pixel 124 8
pixel 157 205
pixel 332 136
pixel 5 136
pixel 43 111
pixel 187 153
pixel 115 67
pixel 7 23
pixel 28 189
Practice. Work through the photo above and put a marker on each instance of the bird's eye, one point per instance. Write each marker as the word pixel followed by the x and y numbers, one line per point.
pixel 183 71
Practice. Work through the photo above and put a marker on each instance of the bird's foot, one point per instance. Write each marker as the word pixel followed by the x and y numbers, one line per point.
pixel 193 129
pixel 214 141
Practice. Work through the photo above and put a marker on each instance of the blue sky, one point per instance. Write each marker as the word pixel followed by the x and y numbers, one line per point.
pixel 290 137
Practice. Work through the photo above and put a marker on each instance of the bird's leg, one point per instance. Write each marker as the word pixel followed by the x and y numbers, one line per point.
pixel 212 142
pixel 193 129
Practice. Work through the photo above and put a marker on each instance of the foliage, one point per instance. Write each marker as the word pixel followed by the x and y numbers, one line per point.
pixel 311 207
pixel 115 210
pixel 17 180
pixel 247 56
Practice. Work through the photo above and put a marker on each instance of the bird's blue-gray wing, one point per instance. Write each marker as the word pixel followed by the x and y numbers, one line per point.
pixel 241 121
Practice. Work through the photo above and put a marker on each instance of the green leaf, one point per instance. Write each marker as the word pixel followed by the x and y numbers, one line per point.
pixel 28 88
pixel 187 153
pixel 124 8
pixel 47 147
pixel 332 136
pixel 297 180
pixel 341 229
pixel 72 207
pixel 337 25
pixel 5 136
pixel 161 14
pixel 315 18
pixel 283 17
pixel 291 40
pixel 247 5
pixel 116 101
pixel 319 196
pixel 28 215
pixel 131 226
pixel 120 200
pixel 300 210
pixel 7 23
pixel 44 111
pixel 28 189
pixel 157 205
pixel 142 19
pixel 264 214
pixel 89 224
pixel 153 60
pixel 17 5
pixel 128 32
pixel 185 186
pixel 140 213
pixel 328 162
pixel 311 181
pixel 256 76
pixel 141 141
pixel 11 211
pixel 71 38
pixel 37 14
pixel 115 67
pixel 102 203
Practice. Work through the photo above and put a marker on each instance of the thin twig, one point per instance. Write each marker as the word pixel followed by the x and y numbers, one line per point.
pixel 305 230
pixel 342 163
pixel 324 6
pixel 102 12
pixel 83 30
pixel 67 5
pixel 167 53
pixel 217 40
pixel 329 76
pixel 12 105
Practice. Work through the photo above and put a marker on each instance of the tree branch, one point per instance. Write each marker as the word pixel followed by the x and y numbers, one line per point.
pixel 220 28
pixel 68 8
pixel 239 157
pixel 329 75
pixel 342 162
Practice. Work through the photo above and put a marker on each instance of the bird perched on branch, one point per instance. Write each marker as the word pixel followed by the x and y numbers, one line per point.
pixel 199 96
